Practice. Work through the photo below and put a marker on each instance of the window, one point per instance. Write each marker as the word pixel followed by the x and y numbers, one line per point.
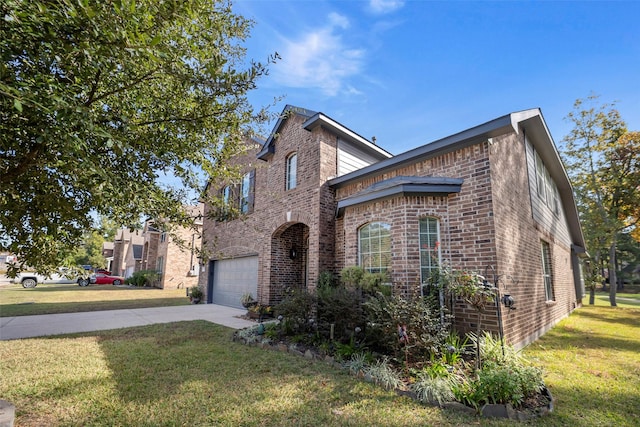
pixel 429 248
pixel 163 237
pixel 547 271
pixel 292 171
pixel 374 247
pixel 226 195
pixel 160 264
pixel 547 189
pixel 247 192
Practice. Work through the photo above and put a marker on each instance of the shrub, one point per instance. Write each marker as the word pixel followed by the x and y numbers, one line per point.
pixel 326 280
pixel 351 276
pixel 503 378
pixel 146 278
pixel 426 333
pixel 430 390
pixel 342 308
pixel 383 374
pixel 297 311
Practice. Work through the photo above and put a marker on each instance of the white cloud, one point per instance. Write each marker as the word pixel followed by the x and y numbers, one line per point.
pixel 338 20
pixel 385 6
pixel 320 59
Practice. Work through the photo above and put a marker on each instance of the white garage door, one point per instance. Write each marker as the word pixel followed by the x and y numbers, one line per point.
pixel 234 277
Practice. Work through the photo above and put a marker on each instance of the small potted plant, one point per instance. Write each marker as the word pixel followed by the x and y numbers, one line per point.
pixel 247 300
pixel 195 294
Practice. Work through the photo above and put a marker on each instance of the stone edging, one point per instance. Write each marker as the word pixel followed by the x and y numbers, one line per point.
pixel 487 411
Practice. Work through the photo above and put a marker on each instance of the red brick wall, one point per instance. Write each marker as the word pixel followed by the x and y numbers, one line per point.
pixel 518 245
pixel 261 233
pixel 488 225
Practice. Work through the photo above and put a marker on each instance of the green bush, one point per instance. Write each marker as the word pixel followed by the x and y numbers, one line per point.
pixel 504 377
pixel 425 331
pixel 342 308
pixel 144 278
pixel 297 311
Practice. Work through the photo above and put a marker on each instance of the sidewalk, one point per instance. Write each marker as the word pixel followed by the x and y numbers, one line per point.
pixel 66 323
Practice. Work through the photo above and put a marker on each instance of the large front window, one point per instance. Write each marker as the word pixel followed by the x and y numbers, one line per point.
pixel 374 241
pixel 429 248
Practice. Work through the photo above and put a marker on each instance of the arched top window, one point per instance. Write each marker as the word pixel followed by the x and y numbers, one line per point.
pixel 292 171
pixel 374 247
pixel 429 248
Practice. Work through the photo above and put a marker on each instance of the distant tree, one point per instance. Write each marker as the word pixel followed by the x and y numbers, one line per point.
pixel 99 98
pixel 602 161
pixel 89 251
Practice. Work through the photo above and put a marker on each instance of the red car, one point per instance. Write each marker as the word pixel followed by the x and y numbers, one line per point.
pixel 106 279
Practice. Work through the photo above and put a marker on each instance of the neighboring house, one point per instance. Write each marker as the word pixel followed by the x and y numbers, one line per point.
pixel 133 257
pixel 175 258
pixel 107 253
pixel 121 248
pixel 317 196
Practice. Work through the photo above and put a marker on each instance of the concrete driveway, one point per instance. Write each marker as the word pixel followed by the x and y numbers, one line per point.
pixel 66 323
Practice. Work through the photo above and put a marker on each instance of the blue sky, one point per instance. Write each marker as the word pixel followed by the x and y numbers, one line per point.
pixel 410 72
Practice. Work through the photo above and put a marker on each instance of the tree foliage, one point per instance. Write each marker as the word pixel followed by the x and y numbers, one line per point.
pixel 98 99
pixel 602 158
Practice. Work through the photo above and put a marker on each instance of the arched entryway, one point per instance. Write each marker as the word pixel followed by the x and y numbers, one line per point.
pixel 289 259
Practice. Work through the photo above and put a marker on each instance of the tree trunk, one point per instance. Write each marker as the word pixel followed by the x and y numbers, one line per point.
pixel 613 280
pixel 592 295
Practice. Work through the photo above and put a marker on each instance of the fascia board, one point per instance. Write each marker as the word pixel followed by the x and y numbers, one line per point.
pixel 320 119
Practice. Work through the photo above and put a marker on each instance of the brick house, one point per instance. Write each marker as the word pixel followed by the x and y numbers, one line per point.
pixel 174 257
pixel 122 250
pixel 316 196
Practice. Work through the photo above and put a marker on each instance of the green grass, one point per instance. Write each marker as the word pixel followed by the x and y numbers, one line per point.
pixel 191 373
pixel 47 299
pixel 622 299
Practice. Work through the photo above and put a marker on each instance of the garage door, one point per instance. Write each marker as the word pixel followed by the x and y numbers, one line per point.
pixel 232 278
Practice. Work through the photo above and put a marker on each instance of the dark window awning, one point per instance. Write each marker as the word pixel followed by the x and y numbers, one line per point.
pixel 401 186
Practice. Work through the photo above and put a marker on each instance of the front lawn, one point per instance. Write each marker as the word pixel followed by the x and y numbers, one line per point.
pixel 49 299
pixel 190 373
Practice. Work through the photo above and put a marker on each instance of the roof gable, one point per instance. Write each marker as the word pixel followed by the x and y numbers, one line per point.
pixel 317 119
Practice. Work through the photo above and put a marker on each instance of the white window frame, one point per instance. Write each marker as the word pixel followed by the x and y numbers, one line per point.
pixel 547 271
pixel 374 256
pixel 430 254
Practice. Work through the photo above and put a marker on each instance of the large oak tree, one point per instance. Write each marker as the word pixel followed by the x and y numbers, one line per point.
pixel 603 161
pixel 100 98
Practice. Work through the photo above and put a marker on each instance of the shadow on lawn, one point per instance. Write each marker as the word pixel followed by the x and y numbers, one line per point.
pixel 197 364
pixel 596 407
pixel 612 316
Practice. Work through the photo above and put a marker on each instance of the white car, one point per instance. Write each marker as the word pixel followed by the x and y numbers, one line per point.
pixel 62 275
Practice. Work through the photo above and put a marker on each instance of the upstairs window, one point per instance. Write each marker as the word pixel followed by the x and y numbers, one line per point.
pixel 374 247
pixel 237 199
pixel 292 171
pixel 247 189
pixel 547 189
